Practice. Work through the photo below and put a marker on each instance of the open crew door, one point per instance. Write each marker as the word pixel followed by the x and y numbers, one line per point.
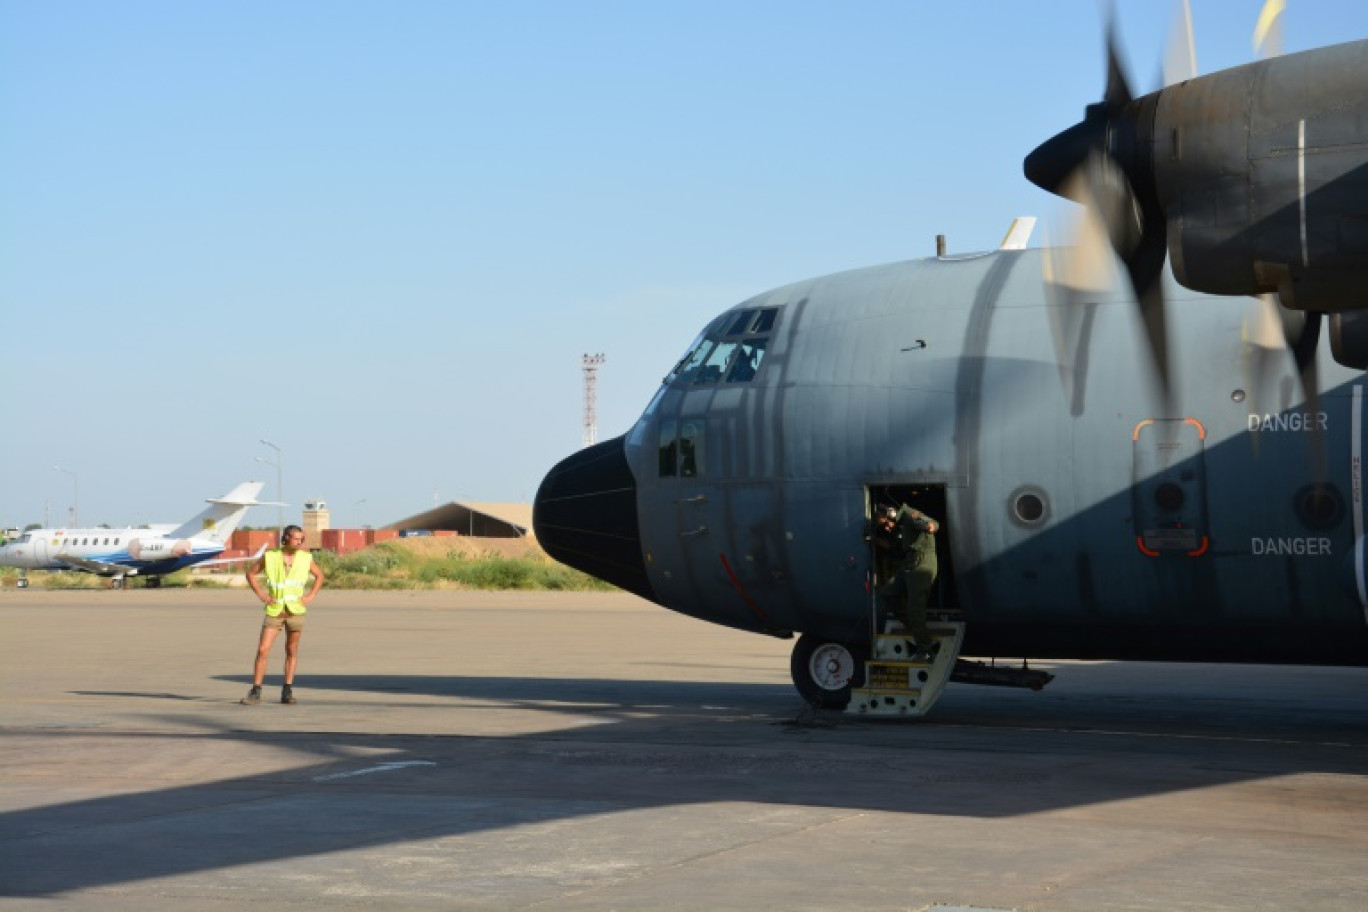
pixel 901 678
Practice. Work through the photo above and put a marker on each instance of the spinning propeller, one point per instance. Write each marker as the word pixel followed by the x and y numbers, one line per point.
pixel 1105 164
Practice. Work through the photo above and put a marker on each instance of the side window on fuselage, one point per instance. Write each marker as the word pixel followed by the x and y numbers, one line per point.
pixel 669 448
pixel 681 448
pixel 690 447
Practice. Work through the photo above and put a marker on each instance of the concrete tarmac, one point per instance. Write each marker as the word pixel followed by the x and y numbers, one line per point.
pixel 510 751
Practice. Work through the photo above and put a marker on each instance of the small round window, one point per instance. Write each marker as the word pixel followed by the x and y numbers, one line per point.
pixel 1319 506
pixel 1029 506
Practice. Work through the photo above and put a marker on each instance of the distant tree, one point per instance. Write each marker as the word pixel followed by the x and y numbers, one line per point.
pixel 31 526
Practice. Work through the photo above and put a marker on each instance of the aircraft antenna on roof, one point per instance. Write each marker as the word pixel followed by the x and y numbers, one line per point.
pixel 590 365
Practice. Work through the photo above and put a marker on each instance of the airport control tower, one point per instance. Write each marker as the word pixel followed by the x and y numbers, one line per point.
pixel 317 520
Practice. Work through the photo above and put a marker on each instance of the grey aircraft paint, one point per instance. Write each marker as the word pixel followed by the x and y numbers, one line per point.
pixel 943 372
pixel 1108 487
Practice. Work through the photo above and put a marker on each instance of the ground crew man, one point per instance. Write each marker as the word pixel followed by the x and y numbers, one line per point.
pixel 286 568
pixel 907 535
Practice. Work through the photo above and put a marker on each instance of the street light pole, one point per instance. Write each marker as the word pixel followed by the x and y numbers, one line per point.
pixel 75 496
pixel 280 486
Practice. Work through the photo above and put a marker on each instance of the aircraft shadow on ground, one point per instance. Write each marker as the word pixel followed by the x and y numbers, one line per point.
pixel 609 693
pixel 985 753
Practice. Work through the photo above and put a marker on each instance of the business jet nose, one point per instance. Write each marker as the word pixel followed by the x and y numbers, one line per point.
pixel 585 516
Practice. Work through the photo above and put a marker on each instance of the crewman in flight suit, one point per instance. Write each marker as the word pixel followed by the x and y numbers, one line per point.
pixel 908 536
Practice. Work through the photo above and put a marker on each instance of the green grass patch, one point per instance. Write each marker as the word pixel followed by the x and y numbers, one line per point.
pixel 390 566
pixel 74 579
pixel 383 566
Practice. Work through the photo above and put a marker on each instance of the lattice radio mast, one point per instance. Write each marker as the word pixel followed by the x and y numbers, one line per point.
pixel 591 364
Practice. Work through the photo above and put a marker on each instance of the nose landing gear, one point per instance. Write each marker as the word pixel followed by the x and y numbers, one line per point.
pixel 900 678
pixel 826 671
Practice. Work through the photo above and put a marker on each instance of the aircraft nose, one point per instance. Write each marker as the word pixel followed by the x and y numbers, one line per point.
pixel 585 516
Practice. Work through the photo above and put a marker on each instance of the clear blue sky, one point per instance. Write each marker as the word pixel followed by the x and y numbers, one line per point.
pixel 381 235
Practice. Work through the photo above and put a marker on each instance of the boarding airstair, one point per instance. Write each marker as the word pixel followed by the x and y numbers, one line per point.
pixel 904 680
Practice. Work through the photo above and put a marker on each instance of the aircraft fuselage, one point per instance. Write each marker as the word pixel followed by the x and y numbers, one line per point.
pixel 1079 519
pixel 136 550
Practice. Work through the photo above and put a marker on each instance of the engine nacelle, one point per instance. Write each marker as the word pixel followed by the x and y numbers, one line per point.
pixel 1349 339
pixel 1262 175
pixel 157 549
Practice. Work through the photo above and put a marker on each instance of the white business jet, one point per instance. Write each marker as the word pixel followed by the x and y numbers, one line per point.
pixel 121 553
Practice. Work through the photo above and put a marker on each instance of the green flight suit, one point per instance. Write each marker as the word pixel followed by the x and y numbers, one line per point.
pixel 910 574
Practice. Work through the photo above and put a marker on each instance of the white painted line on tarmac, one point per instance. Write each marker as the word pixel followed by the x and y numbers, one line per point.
pixel 382 768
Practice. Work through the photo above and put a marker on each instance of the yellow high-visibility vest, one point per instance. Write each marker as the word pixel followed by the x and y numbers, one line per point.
pixel 287 589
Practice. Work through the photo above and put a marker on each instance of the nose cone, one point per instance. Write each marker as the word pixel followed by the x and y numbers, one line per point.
pixel 585 516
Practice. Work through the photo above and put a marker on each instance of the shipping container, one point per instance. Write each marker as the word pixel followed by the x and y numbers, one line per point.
pixel 250 540
pixel 343 541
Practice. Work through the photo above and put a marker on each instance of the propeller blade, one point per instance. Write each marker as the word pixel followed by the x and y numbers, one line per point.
pixel 1302 329
pixel 1049 165
pixel 1112 199
pixel 1268 30
pixel 1076 277
pixel 1180 51
pixel 1265 329
pixel 1142 248
pixel 1144 267
pixel 1304 343
pixel 1088 163
pixel 1118 93
pixel 1078 273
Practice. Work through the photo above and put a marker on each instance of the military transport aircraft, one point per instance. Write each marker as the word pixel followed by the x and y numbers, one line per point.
pixel 120 553
pixel 1123 470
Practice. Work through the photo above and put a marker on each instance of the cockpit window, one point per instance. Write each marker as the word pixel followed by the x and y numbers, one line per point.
pixel 764 321
pixel 713 368
pixel 729 351
pixel 741 323
pixel 747 361
pixel 688 366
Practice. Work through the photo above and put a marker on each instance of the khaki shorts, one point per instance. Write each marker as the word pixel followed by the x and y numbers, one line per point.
pixel 293 623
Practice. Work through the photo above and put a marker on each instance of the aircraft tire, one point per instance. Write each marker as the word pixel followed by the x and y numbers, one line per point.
pixel 824 671
pixel 116 583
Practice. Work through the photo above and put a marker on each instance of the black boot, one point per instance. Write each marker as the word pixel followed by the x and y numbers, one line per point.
pixel 287 694
pixel 253 696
